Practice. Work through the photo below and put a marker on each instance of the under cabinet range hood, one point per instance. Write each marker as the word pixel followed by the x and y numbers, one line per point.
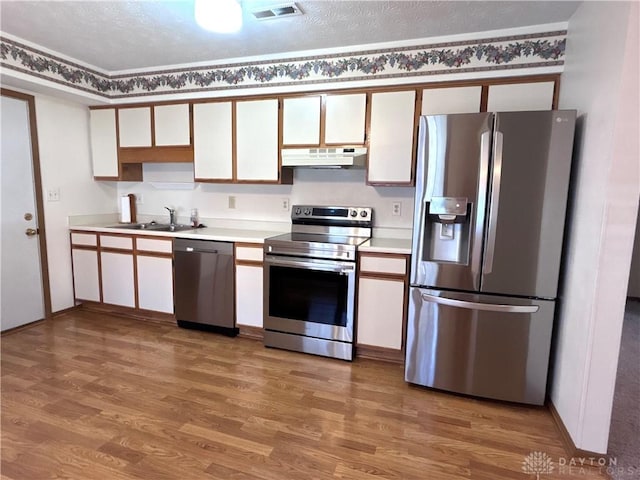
pixel 336 157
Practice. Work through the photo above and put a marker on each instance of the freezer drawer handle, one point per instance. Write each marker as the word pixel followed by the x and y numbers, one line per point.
pixel 490 307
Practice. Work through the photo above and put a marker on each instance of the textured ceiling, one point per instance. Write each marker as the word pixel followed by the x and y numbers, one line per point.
pixel 121 35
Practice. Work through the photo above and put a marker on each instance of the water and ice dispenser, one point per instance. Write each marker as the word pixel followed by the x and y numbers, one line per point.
pixel 447 230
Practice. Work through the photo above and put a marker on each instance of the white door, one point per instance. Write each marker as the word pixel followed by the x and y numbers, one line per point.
pixel 21 297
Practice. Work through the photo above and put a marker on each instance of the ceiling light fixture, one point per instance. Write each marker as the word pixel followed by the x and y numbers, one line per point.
pixel 220 16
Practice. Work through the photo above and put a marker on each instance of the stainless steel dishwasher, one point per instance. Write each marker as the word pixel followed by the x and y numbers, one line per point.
pixel 204 285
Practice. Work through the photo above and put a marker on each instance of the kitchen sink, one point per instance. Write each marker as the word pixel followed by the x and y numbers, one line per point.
pixel 156 227
pixel 170 228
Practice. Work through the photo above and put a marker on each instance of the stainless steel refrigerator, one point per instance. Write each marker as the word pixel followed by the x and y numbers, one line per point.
pixel 491 196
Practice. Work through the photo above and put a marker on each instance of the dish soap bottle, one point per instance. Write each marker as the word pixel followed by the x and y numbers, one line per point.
pixel 194 218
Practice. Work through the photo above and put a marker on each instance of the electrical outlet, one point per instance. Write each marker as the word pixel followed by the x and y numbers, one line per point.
pixel 53 194
pixel 139 199
pixel 285 204
pixel 396 209
pixel 232 201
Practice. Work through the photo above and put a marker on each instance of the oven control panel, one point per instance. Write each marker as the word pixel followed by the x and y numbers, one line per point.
pixel 329 214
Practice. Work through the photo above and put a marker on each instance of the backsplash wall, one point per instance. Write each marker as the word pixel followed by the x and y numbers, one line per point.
pixel 172 185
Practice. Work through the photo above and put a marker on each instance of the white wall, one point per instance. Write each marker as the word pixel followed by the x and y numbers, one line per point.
pixel 601 81
pixel 264 202
pixel 63 138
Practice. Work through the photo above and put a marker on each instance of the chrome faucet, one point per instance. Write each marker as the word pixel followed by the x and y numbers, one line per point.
pixel 172 215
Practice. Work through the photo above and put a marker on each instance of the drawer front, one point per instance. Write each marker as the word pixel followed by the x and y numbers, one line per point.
pixel 113 241
pixel 154 245
pixel 383 264
pixel 89 239
pixel 249 253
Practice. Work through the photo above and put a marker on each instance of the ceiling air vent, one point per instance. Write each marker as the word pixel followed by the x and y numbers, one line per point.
pixel 277 11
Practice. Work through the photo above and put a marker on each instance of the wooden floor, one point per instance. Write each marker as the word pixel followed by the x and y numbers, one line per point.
pixel 95 396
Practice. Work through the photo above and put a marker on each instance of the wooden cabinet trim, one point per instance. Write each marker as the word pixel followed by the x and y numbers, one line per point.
pixel 384 276
pixel 164 154
pixel 153 140
pixel 249 245
pixel 150 253
pixel 383 354
pixel 84 247
pixel 249 263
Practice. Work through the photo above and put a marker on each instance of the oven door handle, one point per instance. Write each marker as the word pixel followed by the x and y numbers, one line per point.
pixel 331 266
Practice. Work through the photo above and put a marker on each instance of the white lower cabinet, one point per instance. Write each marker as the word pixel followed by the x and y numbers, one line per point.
pixel 249 295
pixel 117 279
pixel 134 277
pixel 249 285
pixel 382 288
pixel 380 312
pixel 155 283
pixel 85 274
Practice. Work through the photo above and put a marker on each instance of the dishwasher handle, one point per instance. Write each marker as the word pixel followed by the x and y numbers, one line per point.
pixel 184 245
pixel 197 250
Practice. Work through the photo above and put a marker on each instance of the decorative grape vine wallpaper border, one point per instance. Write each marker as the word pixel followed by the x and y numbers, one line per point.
pixel 488 54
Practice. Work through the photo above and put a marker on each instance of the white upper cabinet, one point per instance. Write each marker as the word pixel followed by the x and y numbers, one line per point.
pixel 104 142
pixel 301 120
pixel 345 119
pixel 520 97
pixel 436 101
pixel 257 140
pixel 391 140
pixel 213 141
pixel 172 125
pixel 134 127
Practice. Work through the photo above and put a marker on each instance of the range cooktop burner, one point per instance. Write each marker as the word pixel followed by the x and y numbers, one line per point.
pixel 323 232
pixel 319 238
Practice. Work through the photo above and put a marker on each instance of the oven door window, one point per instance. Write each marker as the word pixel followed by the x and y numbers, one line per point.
pixel 308 295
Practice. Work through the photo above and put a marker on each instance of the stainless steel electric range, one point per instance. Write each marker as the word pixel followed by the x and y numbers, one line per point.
pixel 310 280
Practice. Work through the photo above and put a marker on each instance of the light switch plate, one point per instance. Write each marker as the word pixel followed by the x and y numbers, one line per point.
pixel 53 194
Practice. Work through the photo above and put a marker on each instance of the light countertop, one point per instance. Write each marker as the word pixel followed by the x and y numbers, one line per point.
pixel 386 245
pixel 242 234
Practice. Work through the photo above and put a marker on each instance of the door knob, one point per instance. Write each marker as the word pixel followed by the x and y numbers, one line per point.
pixel 30 232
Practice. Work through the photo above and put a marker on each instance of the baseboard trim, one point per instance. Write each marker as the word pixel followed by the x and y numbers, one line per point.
pixel 147 315
pixel 380 353
pixel 20 328
pixel 569 445
pixel 64 311
pixel 254 333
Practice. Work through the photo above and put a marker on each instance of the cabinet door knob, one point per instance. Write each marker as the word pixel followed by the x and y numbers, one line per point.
pixel 30 232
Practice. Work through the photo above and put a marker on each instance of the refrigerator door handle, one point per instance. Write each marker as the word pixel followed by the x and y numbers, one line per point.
pixel 489 307
pixel 492 224
pixel 476 254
